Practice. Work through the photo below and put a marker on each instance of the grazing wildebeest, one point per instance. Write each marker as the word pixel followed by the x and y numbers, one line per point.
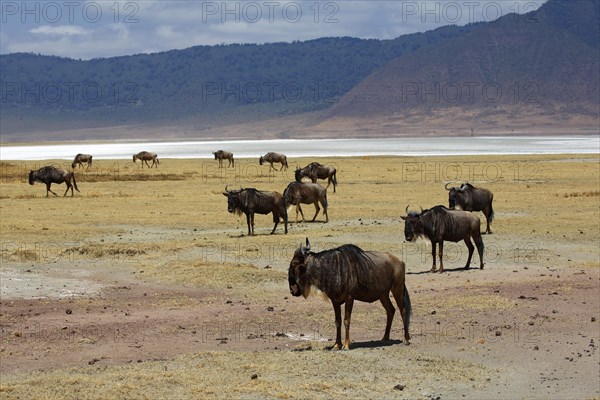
pixel 82 158
pixel 251 201
pixel 348 273
pixel 439 224
pixel 274 158
pixel 224 155
pixel 470 198
pixel 306 193
pixel 146 156
pixel 50 174
pixel 316 171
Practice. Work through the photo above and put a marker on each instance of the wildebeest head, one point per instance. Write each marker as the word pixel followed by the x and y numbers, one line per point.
pixel 297 271
pixel 298 174
pixel 134 157
pixel 261 160
pixel 233 199
pixel 215 154
pixel 451 195
pixel 31 178
pixel 413 227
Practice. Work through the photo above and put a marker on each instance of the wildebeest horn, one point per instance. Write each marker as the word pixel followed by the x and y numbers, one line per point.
pixel 421 209
pixel 446 186
pixel 226 191
pixel 406 210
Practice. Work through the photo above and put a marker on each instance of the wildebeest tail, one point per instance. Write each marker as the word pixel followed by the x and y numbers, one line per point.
pixel 407 305
pixel 74 182
pixel 491 217
pixel 334 180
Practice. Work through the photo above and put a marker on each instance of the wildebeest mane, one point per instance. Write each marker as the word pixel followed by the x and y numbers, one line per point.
pixel 340 268
pixel 439 219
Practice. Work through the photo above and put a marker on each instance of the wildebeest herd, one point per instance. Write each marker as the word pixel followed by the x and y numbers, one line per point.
pixel 345 273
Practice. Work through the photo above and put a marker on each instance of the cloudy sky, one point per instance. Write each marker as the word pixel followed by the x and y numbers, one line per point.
pixel 90 29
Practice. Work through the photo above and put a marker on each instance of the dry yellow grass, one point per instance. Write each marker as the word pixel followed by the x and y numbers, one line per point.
pixel 256 375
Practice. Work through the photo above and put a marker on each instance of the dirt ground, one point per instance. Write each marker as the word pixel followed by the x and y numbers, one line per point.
pixel 143 286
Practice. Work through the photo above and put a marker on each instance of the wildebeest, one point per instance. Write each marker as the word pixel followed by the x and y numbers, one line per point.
pixel 274 158
pixel 470 198
pixel 306 193
pixel 51 174
pixel 439 224
pixel 316 171
pixel 224 155
pixel 146 156
pixel 82 158
pixel 250 201
pixel 348 273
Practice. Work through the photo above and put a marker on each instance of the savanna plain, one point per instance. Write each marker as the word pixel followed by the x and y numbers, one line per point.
pixel 142 285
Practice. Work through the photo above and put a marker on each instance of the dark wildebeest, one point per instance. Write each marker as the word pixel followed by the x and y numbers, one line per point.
pixel 224 155
pixel 251 201
pixel 306 193
pixel 146 156
pixel 348 273
pixel 274 158
pixel 316 171
pixel 470 198
pixel 82 158
pixel 439 224
pixel 50 174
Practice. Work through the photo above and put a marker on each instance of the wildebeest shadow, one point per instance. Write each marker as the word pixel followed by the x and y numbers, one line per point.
pixel 241 235
pixel 371 344
pixel 428 271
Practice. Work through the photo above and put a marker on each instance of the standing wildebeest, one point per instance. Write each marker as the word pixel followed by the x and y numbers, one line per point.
pixel 470 198
pixel 82 158
pixel 316 171
pixel 307 193
pixel 251 201
pixel 224 155
pixel 348 273
pixel 439 224
pixel 50 174
pixel 146 156
pixel 274 158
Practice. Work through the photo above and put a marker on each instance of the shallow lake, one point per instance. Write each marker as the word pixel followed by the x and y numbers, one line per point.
pixel 317 148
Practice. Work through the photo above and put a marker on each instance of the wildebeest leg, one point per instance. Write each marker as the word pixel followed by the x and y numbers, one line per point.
pixel 298 208
pixel 487 212
pixel 480 246
pixel 471 249
pixel 337 309
pixel 441 256
pixel 275 221
pixel 69 186
pixel 389 310
pixel 325 212
pixel 433 244
pixel 48 189
pixel 347 315
pixel 317 209
pixel 403 301
pixel 249 225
